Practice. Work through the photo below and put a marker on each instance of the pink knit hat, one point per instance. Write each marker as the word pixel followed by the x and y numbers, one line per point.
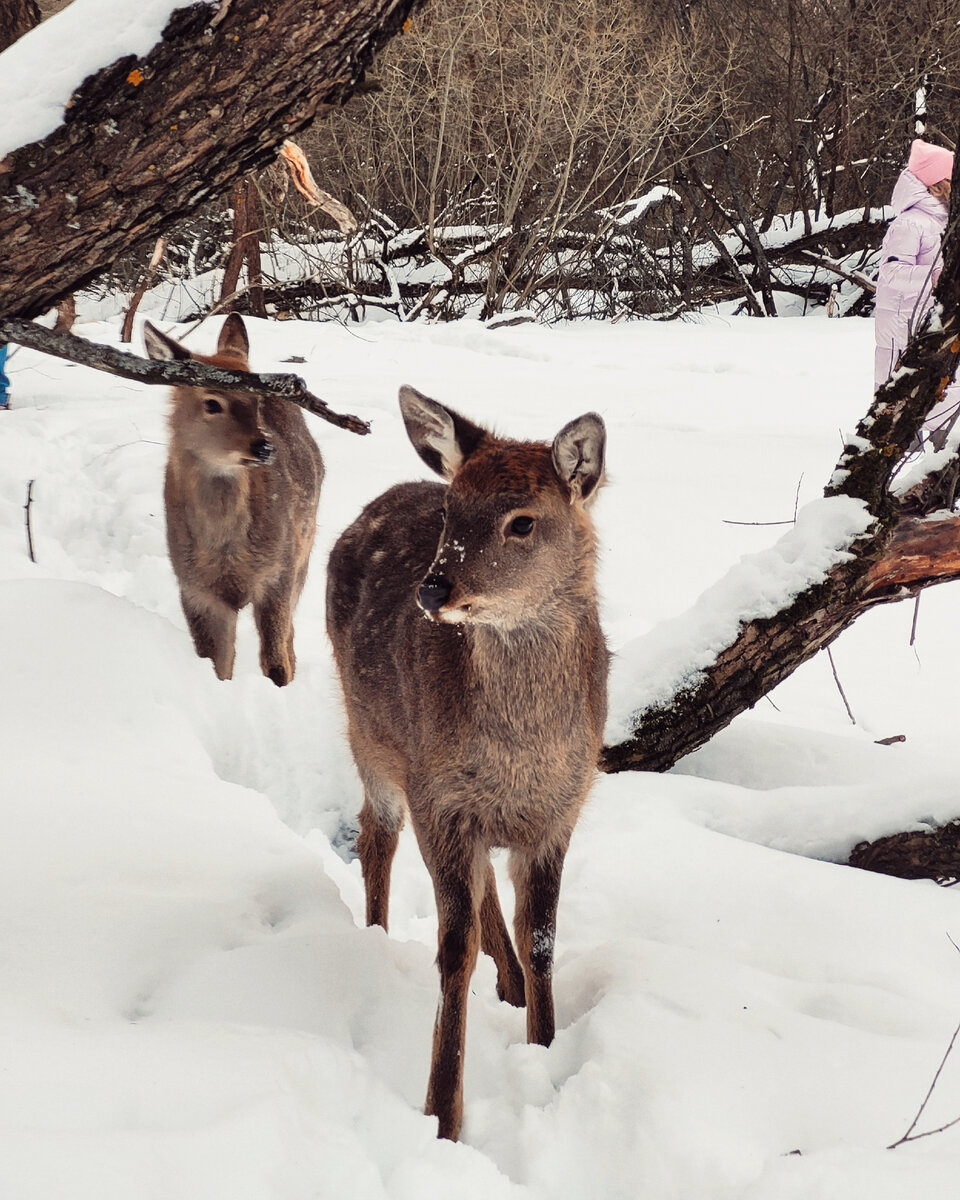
pixel 930 164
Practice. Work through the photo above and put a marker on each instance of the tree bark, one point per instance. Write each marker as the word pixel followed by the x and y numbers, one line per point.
pixel 247 228
pixel 17 17
pixel 900 554
pixel 146 141
pixel 146 282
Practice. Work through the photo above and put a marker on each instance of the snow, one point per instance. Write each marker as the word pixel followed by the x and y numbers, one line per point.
pixel 50 62
pixel 652 669
pixel 191 1006
pixel 626 211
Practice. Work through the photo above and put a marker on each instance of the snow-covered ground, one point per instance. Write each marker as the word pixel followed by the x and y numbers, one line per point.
pixel 190 1006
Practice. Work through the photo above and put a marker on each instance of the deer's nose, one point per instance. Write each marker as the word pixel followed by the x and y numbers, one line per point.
pixel 262 450
pixel 433 593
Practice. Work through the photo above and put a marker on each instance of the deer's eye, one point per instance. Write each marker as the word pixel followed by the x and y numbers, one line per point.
pixel 212 406
pixel 520 526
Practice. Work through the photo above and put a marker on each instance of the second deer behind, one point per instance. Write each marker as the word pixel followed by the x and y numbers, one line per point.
pixel 465 628
pixel 241 490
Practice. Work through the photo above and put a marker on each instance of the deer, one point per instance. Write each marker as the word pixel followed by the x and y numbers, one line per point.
pixel 241 489
pixel 464 623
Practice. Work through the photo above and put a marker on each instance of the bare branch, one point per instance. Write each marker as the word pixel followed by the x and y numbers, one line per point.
pixel 856 277
pixel 179 371
pixel 146 282
pixel 26 520
pixel 910 1136
pixel 843 694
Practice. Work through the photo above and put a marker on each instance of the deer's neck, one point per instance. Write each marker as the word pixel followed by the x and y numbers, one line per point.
pixel 541 659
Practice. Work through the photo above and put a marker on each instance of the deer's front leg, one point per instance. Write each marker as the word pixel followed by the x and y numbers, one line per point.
pixel 459 889
pixel 213 627
pixel 274 618
pixel 536 881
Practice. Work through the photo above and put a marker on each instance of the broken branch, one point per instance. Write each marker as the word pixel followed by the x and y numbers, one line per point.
pixel 181 371
pixel 830 264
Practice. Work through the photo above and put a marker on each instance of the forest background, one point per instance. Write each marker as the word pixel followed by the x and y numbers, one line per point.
pixel 610 158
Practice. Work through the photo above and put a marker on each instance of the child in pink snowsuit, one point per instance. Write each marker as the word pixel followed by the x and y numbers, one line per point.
pixel 910 264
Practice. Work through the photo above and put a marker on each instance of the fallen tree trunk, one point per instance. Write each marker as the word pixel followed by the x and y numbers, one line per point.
pixel 147 141
pixel 914 854
pixel 900 553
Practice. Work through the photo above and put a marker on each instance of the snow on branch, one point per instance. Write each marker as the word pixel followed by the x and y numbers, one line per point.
pixel 867 542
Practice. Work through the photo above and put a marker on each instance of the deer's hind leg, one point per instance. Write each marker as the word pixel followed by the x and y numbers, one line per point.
pixel 381 819
pixel 536 878
pixel 495 941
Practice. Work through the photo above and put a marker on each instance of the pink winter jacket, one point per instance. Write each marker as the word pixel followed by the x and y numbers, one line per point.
pixel 910 260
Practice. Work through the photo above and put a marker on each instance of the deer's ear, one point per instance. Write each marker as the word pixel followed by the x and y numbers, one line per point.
pixel 233 338
pixel 161 346
pixel 578 452
pixel 442 438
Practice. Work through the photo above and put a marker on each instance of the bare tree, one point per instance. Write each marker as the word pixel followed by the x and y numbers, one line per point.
pixel 541 119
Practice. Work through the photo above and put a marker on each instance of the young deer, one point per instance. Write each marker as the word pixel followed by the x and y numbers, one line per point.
pixel 465 628
pixel 241 490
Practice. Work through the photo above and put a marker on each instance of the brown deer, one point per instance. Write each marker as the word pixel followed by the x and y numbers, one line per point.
pixel 465 628
pixel 241 490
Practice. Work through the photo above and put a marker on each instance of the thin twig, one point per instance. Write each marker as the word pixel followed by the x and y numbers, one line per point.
pixel 172 372
pixel 843 695
pixel 793 522
pixel 916 614
pixel 910 1136
pixel 26 509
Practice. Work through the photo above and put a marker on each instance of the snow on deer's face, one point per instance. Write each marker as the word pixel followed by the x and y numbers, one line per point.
pixel 516 532
pixel 509 539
